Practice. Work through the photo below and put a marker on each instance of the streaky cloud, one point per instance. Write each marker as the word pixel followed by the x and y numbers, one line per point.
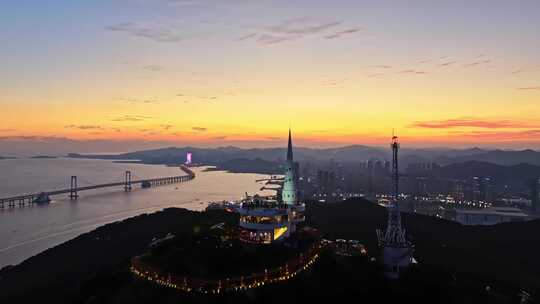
pixel 302 26
pixel 381 66
pixel 140 101
pixel 411 71
pixel 131 118
pixel 153 33
pixel 153 68
pixel 342 33
pixel 477 63
pixel 529 88
pixel 529 135
pixel 473 123
pixel 246 37
pixel 84 127
pixel 448 63
pixel 295 29
pixel 267 39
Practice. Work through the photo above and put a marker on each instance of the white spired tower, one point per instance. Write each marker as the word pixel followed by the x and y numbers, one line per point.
pixel 396 250
pixel 288 194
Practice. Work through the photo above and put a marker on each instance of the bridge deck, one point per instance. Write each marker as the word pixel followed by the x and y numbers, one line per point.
pixel 154 181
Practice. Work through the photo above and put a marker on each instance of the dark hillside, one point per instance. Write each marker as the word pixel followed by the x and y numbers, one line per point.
pixel 58 273
pixel 456 262
pixel 505 254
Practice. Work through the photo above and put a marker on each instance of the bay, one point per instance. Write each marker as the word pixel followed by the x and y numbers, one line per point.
pixel 26 231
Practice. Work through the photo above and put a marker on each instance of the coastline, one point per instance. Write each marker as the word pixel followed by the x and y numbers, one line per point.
pixel 30 230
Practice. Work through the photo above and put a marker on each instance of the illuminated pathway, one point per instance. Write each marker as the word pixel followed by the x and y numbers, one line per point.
pixel 291 269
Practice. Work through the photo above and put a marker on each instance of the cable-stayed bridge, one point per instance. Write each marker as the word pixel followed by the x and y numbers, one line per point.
pixel 73 191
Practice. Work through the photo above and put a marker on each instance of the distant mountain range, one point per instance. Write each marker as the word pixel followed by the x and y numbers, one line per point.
pixel 500 157
pixel 355 153
pixel 499 172
pixel 43 157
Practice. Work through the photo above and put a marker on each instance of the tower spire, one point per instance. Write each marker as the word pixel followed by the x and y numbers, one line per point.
pixel 395 169
pixel 289 148
pixel 288 194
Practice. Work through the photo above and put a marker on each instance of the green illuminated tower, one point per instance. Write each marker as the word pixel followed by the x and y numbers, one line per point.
pixel 288 194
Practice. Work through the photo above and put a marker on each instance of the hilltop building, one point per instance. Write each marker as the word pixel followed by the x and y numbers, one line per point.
pixel 263 220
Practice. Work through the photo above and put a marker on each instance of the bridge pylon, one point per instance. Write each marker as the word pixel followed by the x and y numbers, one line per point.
pixel 127 181
pixel 73 188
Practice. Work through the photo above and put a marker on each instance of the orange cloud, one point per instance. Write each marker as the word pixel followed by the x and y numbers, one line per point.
pixel 501 135
pixel 412 72
pixel 473 123
pixel 530 88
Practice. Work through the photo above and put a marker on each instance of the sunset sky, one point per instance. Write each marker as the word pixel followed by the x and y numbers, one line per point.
pixel 118 75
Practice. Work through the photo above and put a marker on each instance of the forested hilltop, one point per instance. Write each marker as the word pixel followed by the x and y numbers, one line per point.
pixel 457 264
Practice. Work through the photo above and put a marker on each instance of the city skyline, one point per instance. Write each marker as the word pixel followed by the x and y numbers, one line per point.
pixel 134 74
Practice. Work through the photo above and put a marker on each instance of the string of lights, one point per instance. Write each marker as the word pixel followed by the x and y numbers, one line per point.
pixel 286 272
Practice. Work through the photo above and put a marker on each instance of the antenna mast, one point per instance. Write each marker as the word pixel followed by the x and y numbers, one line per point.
pixel 395 170
pixel 397 251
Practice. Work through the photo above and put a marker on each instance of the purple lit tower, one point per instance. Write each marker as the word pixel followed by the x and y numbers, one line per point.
pixel 188 158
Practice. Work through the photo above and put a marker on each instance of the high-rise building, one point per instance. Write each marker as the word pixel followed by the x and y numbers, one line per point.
pixel 418 168
pixel 326 181
pixel 535 195
pixel 370 187
pixel 486 190
pixel 458 191
pixel 421 186
pixel 479 189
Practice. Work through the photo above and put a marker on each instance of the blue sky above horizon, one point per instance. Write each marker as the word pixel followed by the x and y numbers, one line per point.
pixel 215 72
